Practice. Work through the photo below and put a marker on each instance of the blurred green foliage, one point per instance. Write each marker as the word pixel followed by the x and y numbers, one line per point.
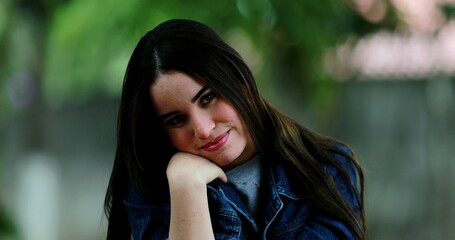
pixel 90 42
pixel 448 10
pixel 7 228
pixel 74 50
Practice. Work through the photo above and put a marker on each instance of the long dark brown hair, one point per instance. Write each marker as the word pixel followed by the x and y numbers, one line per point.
pixel 143 148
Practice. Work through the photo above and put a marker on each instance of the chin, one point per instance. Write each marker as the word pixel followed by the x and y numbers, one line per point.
pixel 227 163
pixel 222 161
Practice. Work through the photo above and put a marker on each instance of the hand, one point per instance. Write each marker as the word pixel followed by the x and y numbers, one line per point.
pixel 187 168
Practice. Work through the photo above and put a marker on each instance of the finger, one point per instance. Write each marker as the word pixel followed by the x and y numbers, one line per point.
pixel 223 177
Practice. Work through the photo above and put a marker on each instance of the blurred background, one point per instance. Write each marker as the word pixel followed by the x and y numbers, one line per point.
pixel 377 74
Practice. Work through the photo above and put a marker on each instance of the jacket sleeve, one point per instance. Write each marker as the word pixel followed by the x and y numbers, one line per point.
pixel 147 222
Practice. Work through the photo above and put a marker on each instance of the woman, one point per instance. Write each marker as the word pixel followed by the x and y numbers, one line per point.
pixel 202 155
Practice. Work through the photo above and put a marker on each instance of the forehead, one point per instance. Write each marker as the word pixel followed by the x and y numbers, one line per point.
pixel 174 87
pixel 174 82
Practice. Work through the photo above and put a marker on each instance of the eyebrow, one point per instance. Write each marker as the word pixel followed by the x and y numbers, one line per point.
pixel 198 94
pixel 195 98
pixel 166 115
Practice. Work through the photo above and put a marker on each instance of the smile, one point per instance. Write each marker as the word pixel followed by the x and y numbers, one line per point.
pixel 217 143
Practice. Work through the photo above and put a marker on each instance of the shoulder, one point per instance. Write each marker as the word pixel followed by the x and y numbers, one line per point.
pixel 344 173
pixel 343 162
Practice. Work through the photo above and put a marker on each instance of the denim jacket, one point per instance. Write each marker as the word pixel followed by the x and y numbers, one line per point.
pixel 287 211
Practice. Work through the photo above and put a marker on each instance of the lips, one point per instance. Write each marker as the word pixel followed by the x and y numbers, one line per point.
pixel 217 143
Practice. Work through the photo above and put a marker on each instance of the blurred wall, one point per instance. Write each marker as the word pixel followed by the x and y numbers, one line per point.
pixel 57 192
pixel 403 133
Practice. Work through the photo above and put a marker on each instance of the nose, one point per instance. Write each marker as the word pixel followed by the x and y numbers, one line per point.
pixel 203 126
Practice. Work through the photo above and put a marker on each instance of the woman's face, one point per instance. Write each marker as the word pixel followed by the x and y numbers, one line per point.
pixel 199 121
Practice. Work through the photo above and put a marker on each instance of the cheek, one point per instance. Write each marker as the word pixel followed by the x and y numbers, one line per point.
pixel 179 139
pixel 227 112
pixel 231 115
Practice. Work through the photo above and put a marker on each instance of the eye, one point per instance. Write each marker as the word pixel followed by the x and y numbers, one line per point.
pixel 208 98
pixel 175 121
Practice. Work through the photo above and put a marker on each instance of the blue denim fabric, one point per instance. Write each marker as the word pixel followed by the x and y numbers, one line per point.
pixel 287 213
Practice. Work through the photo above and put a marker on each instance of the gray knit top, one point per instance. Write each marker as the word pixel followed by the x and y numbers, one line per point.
pixel 247 180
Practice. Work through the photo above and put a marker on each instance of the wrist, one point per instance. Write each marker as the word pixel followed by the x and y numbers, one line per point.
pixel 185 182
